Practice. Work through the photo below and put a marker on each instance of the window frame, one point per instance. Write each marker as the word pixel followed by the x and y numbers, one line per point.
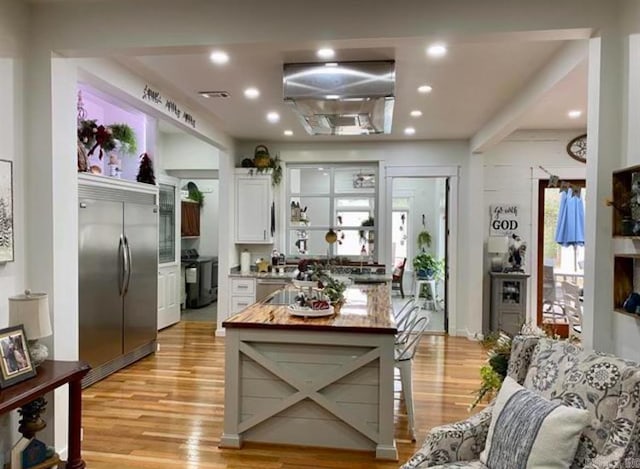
pixel 333 196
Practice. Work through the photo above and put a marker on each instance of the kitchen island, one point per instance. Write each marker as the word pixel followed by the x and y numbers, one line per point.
pixel 324 381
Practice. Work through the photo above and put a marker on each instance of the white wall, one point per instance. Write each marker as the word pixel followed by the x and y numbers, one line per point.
pixel 185 152
pixel 511 175
pixel 13 16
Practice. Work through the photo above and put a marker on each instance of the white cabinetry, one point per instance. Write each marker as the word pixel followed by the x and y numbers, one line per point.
pixel 168 295
pixel 243 294
pixel 254 199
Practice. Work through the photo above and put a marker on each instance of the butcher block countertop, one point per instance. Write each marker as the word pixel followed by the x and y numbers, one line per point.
pixel 367 309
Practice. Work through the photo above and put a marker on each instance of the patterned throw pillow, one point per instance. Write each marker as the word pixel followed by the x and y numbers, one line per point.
pixel 528 431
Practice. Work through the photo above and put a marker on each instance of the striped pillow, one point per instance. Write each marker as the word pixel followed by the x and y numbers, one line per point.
pixel 528 431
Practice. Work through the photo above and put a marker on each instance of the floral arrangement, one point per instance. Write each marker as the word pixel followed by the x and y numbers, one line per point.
pixel 106 138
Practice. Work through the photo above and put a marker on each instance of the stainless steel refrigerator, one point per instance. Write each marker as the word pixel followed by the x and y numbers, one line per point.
pixel 118 281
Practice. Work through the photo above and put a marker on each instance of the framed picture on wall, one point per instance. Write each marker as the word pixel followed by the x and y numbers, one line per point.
pixel 6 211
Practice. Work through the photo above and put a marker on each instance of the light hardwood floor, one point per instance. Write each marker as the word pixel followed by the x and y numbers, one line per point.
pixel 166 411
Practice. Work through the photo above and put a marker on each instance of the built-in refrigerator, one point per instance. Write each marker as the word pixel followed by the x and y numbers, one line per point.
pixel 118 264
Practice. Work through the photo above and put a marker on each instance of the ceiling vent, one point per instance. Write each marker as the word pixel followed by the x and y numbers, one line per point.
pixel 214 94
pixel 347 98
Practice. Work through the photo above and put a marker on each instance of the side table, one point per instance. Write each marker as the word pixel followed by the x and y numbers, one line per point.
pixel 51 375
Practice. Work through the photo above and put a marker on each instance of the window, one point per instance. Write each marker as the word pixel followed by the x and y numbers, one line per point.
pixel 338 197
pixel 399 230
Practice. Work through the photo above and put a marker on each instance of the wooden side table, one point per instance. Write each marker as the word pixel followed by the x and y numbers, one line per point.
pixel 51 375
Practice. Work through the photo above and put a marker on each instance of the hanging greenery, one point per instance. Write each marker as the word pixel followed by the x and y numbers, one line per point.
pixel 126 136
pixel 424 239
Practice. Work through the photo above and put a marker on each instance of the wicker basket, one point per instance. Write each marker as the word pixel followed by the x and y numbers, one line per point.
pixel 261 157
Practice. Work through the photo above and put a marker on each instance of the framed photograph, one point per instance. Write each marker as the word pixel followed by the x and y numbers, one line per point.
pixel 15 361
pixel 6 211
pixel 364 181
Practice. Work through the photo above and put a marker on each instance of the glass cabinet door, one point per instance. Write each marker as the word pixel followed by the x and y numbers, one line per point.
pixel 510 293
pixel 167 223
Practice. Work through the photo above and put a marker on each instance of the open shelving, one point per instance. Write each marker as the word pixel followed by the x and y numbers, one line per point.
pixel 623 201
pixel 624 269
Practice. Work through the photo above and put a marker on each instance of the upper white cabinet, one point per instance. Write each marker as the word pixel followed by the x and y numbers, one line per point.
pixel 255 213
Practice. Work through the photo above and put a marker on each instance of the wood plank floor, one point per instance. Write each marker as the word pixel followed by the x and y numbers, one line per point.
pixel 166 411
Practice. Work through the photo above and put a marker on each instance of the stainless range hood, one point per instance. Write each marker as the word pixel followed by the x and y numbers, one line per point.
pixel 347 98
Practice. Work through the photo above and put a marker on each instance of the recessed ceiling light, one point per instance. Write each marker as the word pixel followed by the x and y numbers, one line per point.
pixel 273 117
pixel 574 114
pixel 437 50
pixel 332 96
pixel 425 89
pixel 415 113
pixel 288 133
pixel 219 57
pixel 326 53
pixel 251 93
pixel 409 131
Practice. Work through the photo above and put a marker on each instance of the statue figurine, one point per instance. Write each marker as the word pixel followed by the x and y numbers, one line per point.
pixel 517 250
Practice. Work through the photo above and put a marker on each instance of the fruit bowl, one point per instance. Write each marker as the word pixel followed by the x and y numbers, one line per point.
pixel 307 312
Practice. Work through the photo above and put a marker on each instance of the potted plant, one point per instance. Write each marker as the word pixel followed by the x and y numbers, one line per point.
pixel 428 267
pixel 424 239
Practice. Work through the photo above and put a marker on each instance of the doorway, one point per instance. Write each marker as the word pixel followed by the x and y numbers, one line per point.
pixel 559 266
pixel 418 241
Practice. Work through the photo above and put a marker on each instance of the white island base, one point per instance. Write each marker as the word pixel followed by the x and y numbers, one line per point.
pixel 328 386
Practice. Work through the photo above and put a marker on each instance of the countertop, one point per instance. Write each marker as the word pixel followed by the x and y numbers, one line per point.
pixel 367 309
pixel 353 276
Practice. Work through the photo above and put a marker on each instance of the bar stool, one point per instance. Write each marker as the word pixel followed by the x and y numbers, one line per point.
pixel 406 345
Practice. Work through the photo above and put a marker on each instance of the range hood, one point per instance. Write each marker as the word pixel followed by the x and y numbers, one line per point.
pixel 346 98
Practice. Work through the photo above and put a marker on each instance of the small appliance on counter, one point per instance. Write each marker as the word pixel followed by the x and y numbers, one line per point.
pixel 201 277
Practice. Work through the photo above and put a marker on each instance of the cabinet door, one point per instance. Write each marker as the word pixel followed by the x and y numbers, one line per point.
pixel 253 210
pixel 190 225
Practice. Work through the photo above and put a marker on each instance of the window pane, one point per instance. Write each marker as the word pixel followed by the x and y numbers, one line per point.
pixel 308 242
pixel 399 230
pixel 350 203
pixel 351 218
pixel 309 180
pixel 351 244
pixel 355 180
pixel 313 211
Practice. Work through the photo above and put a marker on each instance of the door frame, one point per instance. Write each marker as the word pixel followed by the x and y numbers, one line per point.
pixel 451 174
pixel 539 173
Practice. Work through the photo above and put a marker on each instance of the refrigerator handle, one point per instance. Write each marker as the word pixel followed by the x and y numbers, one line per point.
pixel 128 270
pixel 123 267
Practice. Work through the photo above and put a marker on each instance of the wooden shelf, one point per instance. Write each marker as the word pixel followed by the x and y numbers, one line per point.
pixel 621 191
pixel 622 311
pixel 624 266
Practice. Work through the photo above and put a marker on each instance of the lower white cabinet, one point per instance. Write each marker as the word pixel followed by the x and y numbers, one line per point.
pixel 243 294
pixel 168 295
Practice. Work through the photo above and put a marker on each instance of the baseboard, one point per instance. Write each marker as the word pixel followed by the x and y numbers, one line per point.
pixel 474 336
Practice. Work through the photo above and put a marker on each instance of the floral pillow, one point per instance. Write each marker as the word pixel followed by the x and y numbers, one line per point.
pixel 549 365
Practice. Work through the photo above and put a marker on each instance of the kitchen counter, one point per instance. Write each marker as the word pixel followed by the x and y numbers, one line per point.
pixel 355 277
pixel 366 309
pixel 324 381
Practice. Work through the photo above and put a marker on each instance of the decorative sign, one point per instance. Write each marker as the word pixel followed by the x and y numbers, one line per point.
pixel 154 96
pixel 505 220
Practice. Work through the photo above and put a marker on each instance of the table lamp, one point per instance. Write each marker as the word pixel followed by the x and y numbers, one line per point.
pixel 32 311
pixel 498 246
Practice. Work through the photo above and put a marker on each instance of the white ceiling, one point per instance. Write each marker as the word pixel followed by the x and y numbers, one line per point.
pixel 470 85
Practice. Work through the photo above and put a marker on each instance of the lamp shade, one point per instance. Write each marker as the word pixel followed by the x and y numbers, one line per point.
pixel 32 311
pixel 498 244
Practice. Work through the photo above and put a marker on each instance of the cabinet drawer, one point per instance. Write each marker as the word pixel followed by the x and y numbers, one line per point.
pixel 238 303
pixel 243 286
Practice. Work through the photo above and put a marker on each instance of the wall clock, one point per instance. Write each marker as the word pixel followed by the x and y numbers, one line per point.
pixel 577 148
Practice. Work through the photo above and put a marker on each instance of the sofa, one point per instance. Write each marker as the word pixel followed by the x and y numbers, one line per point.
pixel 607 386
